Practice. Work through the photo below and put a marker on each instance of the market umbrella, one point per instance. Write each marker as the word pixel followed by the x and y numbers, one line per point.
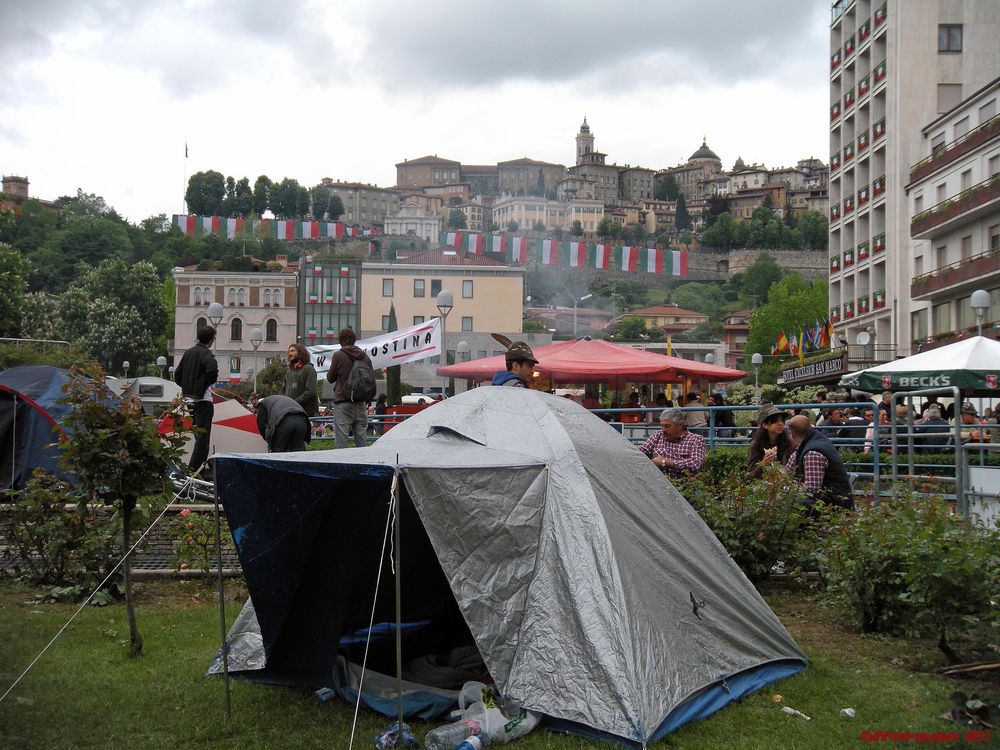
pixel 588 360
pixel 972 365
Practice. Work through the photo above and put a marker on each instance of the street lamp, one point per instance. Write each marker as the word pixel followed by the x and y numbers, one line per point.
pixel 256 336
pixel 125 366
pixel 445 303
pixel 463 350
pixel 980 304
pixel 575 303
pixel 161 362
pixel 710 359
pixel 756 360
pixel 215 313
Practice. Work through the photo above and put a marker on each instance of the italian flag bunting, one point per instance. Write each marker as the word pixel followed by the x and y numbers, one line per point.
pixel 519 249
pixel 474 243
pixel 329 298
pixel 453 239
pixel 496 243
pixel 627 257
pixel 345 271
pixel 285 230
pixel 338 229
pixel 313 298
pixel 317 270
pixel 234 371
pixel 577 254
pixel 265 228
pixel 234 227
pixel 676 263
pixel 348 299
pixel 216 226
pixel 549 252
pixel 312 332
pixel 602 253
pixel 654 260
pixel 329 333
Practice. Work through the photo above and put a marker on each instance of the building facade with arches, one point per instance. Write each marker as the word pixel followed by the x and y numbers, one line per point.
pixel 267 301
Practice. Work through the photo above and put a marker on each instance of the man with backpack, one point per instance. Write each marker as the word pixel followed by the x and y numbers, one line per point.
pixel 353 381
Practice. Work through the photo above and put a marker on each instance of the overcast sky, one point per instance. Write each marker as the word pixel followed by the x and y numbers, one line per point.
pixel 104 94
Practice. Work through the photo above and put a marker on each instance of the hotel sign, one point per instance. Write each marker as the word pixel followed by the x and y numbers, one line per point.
pixel 827 369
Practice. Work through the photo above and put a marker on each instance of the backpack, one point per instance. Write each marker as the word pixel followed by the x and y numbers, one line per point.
pixel 360 383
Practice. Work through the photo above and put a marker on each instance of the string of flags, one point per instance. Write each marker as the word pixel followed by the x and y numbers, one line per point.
pixel 806 339
pixel 279 229
pixel 573 254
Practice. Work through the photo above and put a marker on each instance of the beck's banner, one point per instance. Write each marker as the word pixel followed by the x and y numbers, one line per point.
pixel 407 345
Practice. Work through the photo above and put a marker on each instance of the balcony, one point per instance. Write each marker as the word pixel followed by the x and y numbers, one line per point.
pixel 957 148
pixel 947 277
pixel 969 204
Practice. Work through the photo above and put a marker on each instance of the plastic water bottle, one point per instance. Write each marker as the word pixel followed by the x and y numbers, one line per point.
pixel 450 736
pixel 475 742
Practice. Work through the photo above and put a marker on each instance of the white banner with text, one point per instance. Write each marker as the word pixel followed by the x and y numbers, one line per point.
pixel 398 347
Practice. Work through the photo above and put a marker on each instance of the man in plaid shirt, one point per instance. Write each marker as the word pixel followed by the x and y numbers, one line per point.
pixel 816 463
pixel 673 450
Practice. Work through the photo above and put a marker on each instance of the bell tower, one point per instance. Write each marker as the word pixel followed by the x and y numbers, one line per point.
pixel 584 144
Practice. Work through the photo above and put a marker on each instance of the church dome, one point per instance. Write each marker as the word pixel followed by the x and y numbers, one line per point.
pixel 705 153
pixel 585 128
pixel 740 164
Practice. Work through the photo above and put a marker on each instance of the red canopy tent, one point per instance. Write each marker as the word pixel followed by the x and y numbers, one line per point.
pixel 589 360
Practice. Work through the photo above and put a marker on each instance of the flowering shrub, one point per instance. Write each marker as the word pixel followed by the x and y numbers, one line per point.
pixel 194 540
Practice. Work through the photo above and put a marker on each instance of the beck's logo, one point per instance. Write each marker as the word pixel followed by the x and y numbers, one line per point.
pixel 991 381
pixel 887 381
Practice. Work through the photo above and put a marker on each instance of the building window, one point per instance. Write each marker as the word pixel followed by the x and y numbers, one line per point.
pixel 466 322
pixel 467 289
pixel 418 319
pixel 232 296
pixel 418 287
pixel 267 297
pixel 435 287
pixel 941 259
pixel 197 295
pixel 941 318
pixel 236 330
pixel 950 37
pixel 966 247
pixel 200 323
pixel 961 127
pixel 918 324
pixel 966 179
pixel 385 323
pixel 994 237
pixel 949 95
pixel 386 287
pixel 271 330
pixel 241 296
pixel 276 298
pixel 994 165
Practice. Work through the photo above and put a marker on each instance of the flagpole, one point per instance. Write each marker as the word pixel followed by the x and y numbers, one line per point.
pixel 184 184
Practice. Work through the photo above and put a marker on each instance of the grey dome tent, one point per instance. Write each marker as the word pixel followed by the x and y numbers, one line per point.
pixel 595 594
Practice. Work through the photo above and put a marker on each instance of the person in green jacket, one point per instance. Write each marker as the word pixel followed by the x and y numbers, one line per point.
pixel 300 380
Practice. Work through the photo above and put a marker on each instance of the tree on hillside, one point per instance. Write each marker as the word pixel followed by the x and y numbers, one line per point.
pixel 513 226
pixel 456 219
pixel 576 228
pixel 336 207
pixel 87 241
pixel 631 328
pixel 759 277
pixel 261 194
pixel 205 193
pixel 244 197
pixel 814 229
pixel 538 226
pixel 284 197
pixel 666 188
pixel 116 312
pixel 792 303
pixel 301 202
pixel 683 218
pixel 84 206
pixel 30 229
pixel 717 205
pixel 319 201
pixel 14 271
pixel 704 298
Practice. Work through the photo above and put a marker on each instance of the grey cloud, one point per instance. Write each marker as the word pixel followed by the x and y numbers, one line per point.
pixel 454 43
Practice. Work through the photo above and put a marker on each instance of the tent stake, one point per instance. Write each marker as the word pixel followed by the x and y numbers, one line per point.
pixel 222 595
pixel 399 616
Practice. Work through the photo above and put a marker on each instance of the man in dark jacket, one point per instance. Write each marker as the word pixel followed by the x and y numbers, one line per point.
pixel 347 413
pixel 300 379
pixel 283 423
pixel 520 361
pixel 196 373
pixel 816 463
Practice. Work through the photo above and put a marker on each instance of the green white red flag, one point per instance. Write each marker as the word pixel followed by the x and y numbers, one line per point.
pixel 627 257
pixel 577 254
pixel 602 254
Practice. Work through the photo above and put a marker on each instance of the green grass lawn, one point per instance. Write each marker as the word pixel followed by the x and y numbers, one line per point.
pixel 86 692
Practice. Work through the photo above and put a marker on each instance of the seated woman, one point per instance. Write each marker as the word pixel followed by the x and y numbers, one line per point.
pixel 770 444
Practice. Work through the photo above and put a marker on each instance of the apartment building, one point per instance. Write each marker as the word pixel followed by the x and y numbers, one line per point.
pixel 895 66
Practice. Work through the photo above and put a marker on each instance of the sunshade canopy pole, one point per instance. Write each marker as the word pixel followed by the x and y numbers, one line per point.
pixel 399 609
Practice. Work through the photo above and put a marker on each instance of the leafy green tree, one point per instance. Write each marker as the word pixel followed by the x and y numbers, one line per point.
pixel 512 226
pixel 707 331
pixel 244 197
pixel 791 303
pixel 717 205
pixel 31 229
pixel 604 227
pixel 301 202
pixel 814 229
pixel 636 233
pixel 40 317
pixel 116 312
pixel 759 277
pixel 261 194
pixel 392 374
pixel 84 206
pixel 336 207
pixel 14 270
pixel 120 459
pixel 721 233
pixel 576 228
pixel 631 328
pixel 205 193
pixel 685 237
pixel 538 226
pixel 666 188
pixel 456 219
pixel 84 241
pixel 319 200
pixel 704 298
pixel 683 218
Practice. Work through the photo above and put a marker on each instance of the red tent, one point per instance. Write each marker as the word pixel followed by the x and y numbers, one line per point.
pixel 589 360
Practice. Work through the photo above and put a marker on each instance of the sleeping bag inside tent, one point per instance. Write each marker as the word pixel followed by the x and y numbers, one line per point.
pixel 534 538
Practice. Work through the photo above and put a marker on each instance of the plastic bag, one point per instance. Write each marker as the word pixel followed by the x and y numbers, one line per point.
pixel 477 702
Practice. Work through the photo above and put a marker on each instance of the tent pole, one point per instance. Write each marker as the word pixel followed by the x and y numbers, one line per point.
pixel 222 596
pixel 399 609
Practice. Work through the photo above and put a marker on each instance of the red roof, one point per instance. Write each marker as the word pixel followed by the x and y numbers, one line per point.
pixel 667 310
pixel 447 257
